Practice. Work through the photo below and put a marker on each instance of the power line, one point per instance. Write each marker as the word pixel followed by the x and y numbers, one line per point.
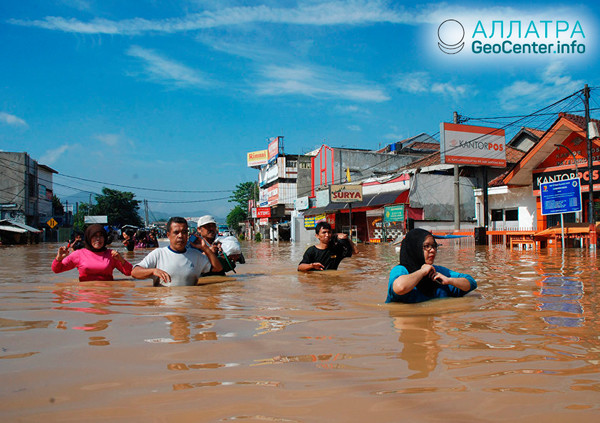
pixel 144 188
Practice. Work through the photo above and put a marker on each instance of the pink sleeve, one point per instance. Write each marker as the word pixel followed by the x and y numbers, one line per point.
pixel 124 268
pixel 65 265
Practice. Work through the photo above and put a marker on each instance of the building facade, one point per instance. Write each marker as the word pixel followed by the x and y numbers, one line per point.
pixel 26 189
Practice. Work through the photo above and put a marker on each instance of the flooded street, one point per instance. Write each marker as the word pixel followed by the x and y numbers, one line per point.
pixel 272 344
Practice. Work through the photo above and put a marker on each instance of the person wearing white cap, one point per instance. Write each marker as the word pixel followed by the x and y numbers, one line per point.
pixel 227 249
pixel 207 228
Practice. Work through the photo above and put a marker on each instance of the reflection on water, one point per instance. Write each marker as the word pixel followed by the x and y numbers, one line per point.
pixel 273 344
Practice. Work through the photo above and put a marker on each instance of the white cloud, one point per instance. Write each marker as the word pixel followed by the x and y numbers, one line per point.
pixel 352 109
pixel 53 155
pixel 12 120
pixel 355 128
pixel 552 84
pixel 422 83
pixel 113 139
pixel 356 12
pixel 83 5
pixel 167 71
pixel 317 82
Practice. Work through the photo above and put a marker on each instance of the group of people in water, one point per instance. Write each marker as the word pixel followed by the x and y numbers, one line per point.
pixel 187 258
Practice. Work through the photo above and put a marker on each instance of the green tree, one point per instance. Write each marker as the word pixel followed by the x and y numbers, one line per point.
pixel 243 192
pixel 235 217
pixel 57 207
pixel 119 206
pixel 79 217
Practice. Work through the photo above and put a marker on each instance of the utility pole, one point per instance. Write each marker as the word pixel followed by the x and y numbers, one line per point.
pixel 146 212
pixel 591 220
pixel 456 187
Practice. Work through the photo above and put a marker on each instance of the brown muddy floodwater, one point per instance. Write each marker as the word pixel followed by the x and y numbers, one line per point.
pixel 272 345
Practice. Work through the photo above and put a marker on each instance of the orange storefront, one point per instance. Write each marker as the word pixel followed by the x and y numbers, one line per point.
pixel 551 160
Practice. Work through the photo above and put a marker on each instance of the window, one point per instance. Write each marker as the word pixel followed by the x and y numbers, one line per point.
pixel 512 215
pixel 497 215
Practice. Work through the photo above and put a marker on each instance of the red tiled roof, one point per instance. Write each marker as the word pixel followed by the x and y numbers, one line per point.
pixel 513 155
pixel 576 119
pixel 537 132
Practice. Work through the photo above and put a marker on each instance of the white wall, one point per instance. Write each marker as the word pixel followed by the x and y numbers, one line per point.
pixel 520 198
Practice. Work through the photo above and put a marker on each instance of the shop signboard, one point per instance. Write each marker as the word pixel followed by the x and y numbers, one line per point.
pixel 258 158
pixel 311 221
pixel 472 145
pixel 542 176
pixel 346 193
pixel 95 219
pixel 301 203
pixel 561 197
pixel 263 212
pixel 394 213
pixel 273 149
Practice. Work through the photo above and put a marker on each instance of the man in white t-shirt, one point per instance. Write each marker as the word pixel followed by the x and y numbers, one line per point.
pixel 177 265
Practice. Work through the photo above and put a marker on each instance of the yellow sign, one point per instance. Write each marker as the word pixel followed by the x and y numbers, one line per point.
pixel 258 158
pixel 52 223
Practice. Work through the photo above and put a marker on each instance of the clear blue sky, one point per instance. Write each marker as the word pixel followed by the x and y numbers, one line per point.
pixel 172 95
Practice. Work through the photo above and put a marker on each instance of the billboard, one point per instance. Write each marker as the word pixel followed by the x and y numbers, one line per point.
pixel 258 158
pixel 273 149
pixel 346 193
pixel 472 145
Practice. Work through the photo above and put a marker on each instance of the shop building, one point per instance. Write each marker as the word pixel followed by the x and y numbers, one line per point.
pixel 382 185
pixel 277 178
pixel 560 153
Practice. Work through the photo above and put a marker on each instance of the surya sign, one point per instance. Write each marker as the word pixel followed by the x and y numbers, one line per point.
pixel 346 193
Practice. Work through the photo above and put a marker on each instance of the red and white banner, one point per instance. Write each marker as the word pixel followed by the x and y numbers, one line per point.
pixel 262 212
pixel 472 145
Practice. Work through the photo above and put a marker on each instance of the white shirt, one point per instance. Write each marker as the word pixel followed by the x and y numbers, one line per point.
pixel 184 268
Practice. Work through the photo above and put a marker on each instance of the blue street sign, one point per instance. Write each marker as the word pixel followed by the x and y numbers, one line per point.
pixel 561 197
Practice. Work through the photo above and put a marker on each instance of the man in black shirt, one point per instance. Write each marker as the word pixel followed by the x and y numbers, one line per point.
pixel 329 252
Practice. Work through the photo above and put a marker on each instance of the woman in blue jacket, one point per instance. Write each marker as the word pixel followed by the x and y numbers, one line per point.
pixel 416 279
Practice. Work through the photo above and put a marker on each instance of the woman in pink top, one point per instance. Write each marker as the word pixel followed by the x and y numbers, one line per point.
pixel 95 262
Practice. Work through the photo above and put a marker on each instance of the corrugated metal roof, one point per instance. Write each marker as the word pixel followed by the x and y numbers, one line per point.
pixel 11 223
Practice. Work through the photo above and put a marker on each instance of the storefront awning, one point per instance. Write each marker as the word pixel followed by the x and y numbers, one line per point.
pixel 12 226
pixel 370 201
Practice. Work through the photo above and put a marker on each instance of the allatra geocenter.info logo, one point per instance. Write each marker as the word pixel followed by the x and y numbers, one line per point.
pixel 451 35
pixel 513 37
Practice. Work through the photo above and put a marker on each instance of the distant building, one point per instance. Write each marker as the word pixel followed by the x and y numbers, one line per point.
pixel 26 190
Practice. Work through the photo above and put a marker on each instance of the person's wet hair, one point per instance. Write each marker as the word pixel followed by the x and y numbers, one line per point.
pixel 322 225
pixel 176 219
